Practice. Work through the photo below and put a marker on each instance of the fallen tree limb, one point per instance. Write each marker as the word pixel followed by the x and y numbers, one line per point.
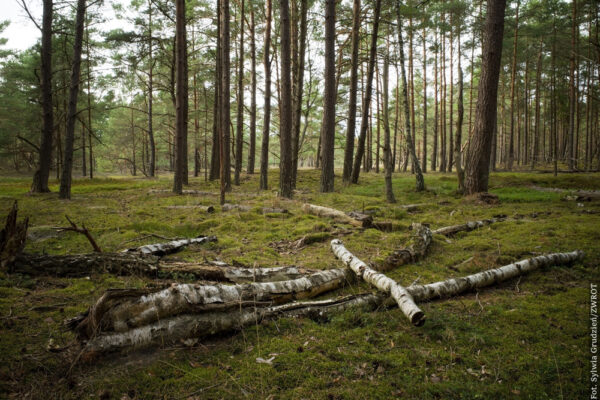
pixel 414 250
pixel 120 310
pixel 227 273
pixel 466 227
pixel 231 207
pixel 162 249
pixel 12 237
pixel 381 282
pixel 83 230
pixel 339 216
pixel 188 191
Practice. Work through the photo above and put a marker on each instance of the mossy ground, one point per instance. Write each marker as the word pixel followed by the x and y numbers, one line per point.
pixel 526 338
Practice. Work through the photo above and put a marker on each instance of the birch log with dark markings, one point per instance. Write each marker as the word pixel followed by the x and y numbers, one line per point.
pixel 466 227
pixel 162 249
pixel 414 250
pixel 173 329
pixel 119 311
pixel 337 215
pixel 381 282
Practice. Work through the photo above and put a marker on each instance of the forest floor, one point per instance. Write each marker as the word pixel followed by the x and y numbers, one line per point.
pixel 526 338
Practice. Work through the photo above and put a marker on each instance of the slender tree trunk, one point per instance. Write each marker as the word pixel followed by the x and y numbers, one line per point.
pixel 264 152
pixel 525 148
pixel 511 145
pixel 443 100
pixel 181 108
pixel 349 148
pixel 378 119
pixel 572 89
pixel 328 131
pixel 298 88
pixel 411 83
pixel 252 146
pixel 215 159
pixel 285 118
pixel 83 150
pixel 435 111
pixel 424 160
pixel 477 161
pixel 152 163
pixel 133 161
pixel 451 124
pixel 224 97
pixel 196 128
pixel 66 177
pixel 239 135
pixel 41 176
pixel 364 124
pixel 457 146
pixel 387 153
pixel 420 183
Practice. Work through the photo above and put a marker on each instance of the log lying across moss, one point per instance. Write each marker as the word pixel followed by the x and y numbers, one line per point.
pixel 198 323
pixel 414 250
pixel 381 282
pixel 162 249
pixel 362 221
pixel 466 227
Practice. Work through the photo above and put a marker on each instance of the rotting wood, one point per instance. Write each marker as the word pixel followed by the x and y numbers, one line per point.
pixel 337 215
pixel 466 227
pixel 120 310
pixel 381 282
pixel 12 237
pixel 162 249
pixel 414 250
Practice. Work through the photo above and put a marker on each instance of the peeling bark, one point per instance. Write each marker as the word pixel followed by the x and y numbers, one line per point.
pixel 466 227
pixel 121 310
pixel 414 250
pixel 381 282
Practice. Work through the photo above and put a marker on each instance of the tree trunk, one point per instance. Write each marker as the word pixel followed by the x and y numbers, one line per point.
pixel 420 183
pixel 572 88
pixel 298 88
pixel 41 176
pixel 461 111
pixel 224 97
pixel 152 163
pixel 252 146
pixel 364 124
pixel 264 152
pixel 181 108
pixel 435 111
pixel 239 135
pixel 285 119
pixel 328 131
pixel 215 159
pixel 387 151
pixel 511 146
pixel 66 177
pixel 424 160
pixel 349 147
pixel 477 162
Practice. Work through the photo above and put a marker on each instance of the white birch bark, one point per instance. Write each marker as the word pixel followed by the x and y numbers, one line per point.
pixel 466 227
pixel 336 215
pixel 161 249
pixel 381 282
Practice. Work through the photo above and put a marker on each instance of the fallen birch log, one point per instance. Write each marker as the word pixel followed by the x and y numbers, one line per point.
pixel 381 282
pixel 162 249
pixel 182 327
pixel 414 250
pixel 337 215
pixel 233 274
pixel 120 310
pixel 466 227
pixel 187 191
pixel 452 287
pixel 172 330
pixel 231 207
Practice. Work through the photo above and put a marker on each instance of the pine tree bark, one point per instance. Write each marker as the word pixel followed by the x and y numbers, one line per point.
pixel 424 157
pixel 252 146
pixel 41 176
pixel 215 159
pixel 66 176
pixel 264 152
pixel 349 147
pixel 181 108
pixel 224 109
pixel 298 88
pixel 285 118
pixel 420 182
pixel 572 89
pixel 328 131
pixel 387 151
pixel 511 145
pixel 152 161
pixel 477 161
pixel 239 134
pixel 461 110
pixel 364 124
